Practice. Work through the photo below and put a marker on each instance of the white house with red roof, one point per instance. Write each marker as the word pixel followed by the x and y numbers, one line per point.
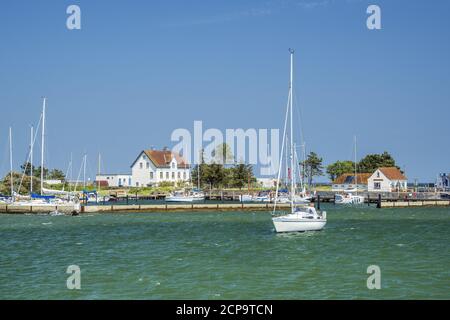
pixel 154 166
pixel 387 179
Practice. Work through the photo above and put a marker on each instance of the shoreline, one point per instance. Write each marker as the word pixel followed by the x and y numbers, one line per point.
pixel 186 207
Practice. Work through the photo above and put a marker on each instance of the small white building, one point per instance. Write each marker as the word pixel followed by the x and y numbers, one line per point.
pixel 387 179
pixel 154 166
pixel 53 182
pixel 113 180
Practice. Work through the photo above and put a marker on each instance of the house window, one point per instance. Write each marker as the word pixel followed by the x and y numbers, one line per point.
pixel 179 175
pixel 184 175
pixel 173 165
pixel 148 165
pixel 378 174
pixel 173 175
pixel 151 175
pixel 140 165
pixel 167 175
pixel 161 175
pixel 137 184
pixel 377 185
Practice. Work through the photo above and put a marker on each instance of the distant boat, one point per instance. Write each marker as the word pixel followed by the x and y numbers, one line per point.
pixel 301 217
pixel 186 196
pixel 245 198
pixel 350 196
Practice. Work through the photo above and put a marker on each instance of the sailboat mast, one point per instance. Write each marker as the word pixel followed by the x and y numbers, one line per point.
pixel 291 124
pixel 198 169
pixel 31 158
pixel 287 164
pixel 356 173
pixel 42 145
pixel 99 160
pixel 11 164
pixel 84 172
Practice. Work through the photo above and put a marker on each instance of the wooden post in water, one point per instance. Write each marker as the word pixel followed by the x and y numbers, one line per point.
pixel 127 199
pixel 318 202
pixel 379 201
pixel 368 199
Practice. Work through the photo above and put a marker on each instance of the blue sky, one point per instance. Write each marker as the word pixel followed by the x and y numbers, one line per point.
pixel 137 70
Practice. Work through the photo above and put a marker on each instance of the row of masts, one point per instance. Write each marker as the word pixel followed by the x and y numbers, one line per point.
pixel 30 154
pixel 30 160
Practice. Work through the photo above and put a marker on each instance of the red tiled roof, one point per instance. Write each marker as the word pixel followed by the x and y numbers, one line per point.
pixel 392 173
pixel 162 158
pixel 361 178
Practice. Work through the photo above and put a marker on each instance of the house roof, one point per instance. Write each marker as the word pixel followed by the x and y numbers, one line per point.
pixel 162 158
pixel 392 173
pixel 348 178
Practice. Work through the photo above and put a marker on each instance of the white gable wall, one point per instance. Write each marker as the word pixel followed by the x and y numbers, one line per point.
pixel 378 182
pixel 145 173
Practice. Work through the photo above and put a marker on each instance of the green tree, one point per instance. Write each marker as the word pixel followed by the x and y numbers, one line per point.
pixel 223 154
pixel 37 172
pixel 26 167
pixel 213 174
pixel 313 166
pixel 241 175
pixel 5 185
pixel 338 168
pixel 371 162
pixel 56 174
pixel 195 174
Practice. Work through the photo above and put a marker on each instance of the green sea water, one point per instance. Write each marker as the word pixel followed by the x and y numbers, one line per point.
pixel 226 255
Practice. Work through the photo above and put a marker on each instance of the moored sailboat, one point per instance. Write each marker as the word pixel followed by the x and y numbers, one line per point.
pixel 350 196
pixel 301 217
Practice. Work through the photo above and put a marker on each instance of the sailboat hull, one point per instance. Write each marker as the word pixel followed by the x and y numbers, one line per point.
pixel 349 199
pixel 292 224
pixel 184 199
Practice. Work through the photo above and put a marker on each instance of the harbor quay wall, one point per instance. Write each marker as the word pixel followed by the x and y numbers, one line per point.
pixel 68 209
pixel 424 203
pixel 182 207
pixel 143 208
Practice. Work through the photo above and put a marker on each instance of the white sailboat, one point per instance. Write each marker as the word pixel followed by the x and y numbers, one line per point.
pixel 47 196
pixel 10 199
pixel 300 217
pixel 186 196
pixel 193 195
pixel 350 196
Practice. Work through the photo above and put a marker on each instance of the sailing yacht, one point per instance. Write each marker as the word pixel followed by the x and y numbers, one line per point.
pixel 350 196
pixel 301 217
pixel 47 196
pixel 186 196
